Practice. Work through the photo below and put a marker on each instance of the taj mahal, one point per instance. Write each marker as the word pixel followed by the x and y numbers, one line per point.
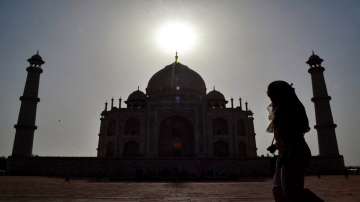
pixel 176 127
pixel 177 118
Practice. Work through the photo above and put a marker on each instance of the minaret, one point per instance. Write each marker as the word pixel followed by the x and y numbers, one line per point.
pixel 324 120
pixel 25 126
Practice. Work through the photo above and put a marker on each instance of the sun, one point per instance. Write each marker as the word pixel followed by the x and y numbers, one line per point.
pixel 176 36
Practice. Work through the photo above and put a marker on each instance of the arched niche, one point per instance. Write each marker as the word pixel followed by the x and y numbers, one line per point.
pixel 220 126
pixel 131 148
pixel 109 150
pixel 176 137
pixel 242 150
pixel 132 127
pixel 221 149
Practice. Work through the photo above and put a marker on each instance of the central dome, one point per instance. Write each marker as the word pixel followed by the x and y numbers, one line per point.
pixel 174 79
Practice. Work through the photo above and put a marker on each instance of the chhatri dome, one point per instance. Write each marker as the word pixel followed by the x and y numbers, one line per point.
pixel 176 78
pixel 137 95
pixel 215 95
pixel 36 59
pixel 136 99
pixel 216 99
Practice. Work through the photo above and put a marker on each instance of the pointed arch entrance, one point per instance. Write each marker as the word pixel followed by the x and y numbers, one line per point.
pixel 176 138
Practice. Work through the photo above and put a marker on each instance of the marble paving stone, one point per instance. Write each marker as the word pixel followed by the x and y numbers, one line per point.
pixel 41 189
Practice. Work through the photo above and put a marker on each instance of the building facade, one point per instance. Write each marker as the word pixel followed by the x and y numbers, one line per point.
pixel 175 129
pixel 176 118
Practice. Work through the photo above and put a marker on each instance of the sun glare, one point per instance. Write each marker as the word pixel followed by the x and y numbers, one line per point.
pixel 176 36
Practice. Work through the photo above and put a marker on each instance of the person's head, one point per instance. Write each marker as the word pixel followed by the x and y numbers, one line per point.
pixel 280 92
pixel 284 100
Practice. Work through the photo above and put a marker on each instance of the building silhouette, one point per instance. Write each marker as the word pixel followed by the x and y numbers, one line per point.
pixel 174 129
pixel 324 120
pixel 176 118
pixel 25 126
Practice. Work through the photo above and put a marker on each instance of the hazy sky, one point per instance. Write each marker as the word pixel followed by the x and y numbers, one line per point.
pixel 95 50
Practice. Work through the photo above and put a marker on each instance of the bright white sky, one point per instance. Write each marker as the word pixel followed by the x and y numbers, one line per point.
pixel 176 36
pixel 95 50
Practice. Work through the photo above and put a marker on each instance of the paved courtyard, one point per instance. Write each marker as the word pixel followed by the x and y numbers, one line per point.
pixel 330 188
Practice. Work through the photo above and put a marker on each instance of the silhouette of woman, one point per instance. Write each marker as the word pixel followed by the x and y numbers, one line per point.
pixel 289 123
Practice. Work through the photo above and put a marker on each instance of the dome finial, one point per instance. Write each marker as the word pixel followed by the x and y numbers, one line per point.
pixel 37 52
pixel 176 57
pixel 214 87
pixel 138 88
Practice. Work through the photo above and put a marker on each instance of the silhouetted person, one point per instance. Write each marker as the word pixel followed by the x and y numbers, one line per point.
pixel 289 123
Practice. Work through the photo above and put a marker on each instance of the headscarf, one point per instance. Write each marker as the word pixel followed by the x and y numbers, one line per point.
pixel 289 115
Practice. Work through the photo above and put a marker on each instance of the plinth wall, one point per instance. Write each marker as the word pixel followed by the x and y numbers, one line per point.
pixel 159 168
pixel 327 165
pixel 137 168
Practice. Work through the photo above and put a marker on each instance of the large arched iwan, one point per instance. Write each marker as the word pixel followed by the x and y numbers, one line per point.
pixel 176 138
